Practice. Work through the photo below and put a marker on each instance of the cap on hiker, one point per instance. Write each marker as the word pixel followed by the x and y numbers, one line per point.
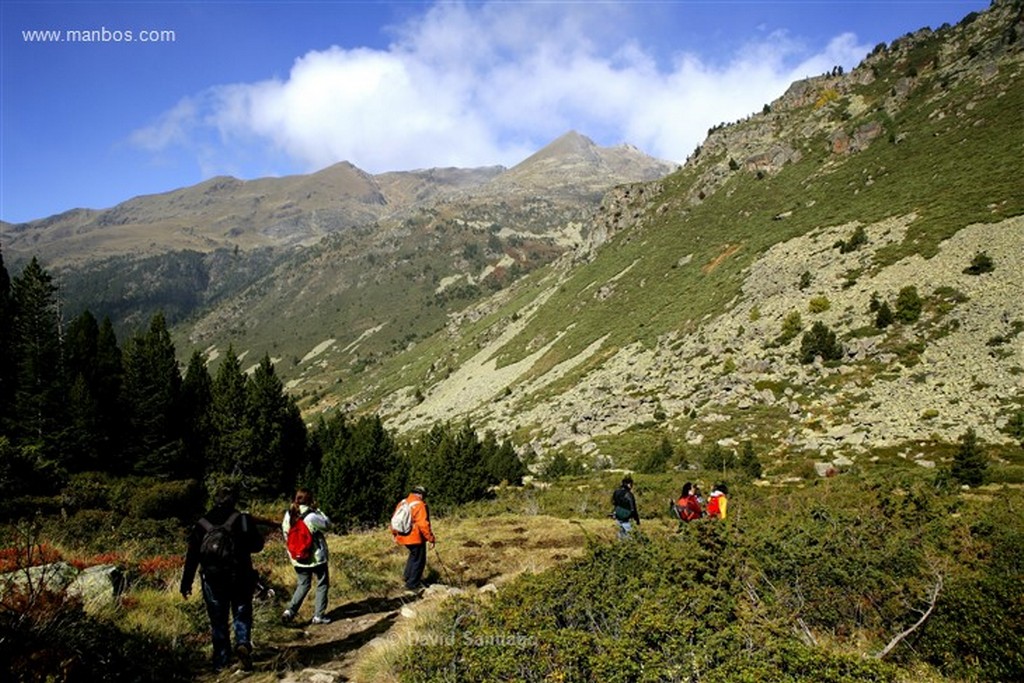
pixel 420 490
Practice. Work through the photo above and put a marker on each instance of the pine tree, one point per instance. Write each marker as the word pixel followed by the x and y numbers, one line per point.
pixel 363 473
pixel 83 428
pixel 883 316
pixel 969 464
pixel 908 305
pixel 748 461
pixel 108 383
pixel 38 409
pixel 232 441
pixel 7 365
pixel 152 391
pixel 501 461
pixel 658 458
pixel 278 430
pixel 196 399
pixel 450 465
pixel 819 341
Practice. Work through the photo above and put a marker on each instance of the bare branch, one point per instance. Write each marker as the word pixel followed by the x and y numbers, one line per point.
pixel 931 606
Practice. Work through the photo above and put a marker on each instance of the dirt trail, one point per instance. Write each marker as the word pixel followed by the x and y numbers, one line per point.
pixel 476 558
pixel 323 653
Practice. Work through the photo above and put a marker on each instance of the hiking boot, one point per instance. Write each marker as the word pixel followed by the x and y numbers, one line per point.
pixel 244 653
pixel 287 616
pixel 321 620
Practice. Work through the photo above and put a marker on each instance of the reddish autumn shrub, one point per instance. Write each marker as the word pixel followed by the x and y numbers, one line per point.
pixel 161 564
pixel 13 559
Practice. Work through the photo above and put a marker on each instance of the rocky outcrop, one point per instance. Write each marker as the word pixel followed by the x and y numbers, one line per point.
pixel 97 587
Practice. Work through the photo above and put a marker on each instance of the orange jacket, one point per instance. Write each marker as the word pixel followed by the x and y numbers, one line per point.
pixel 421 531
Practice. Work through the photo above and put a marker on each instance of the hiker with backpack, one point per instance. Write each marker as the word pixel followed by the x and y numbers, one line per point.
pixel 687 508
pixel 220 546
pixel 718 502
pixel 624 508
pixel 303 526
pixel 410 527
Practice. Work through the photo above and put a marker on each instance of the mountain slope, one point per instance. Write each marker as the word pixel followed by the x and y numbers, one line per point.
pixel 215 247
pixel 667 321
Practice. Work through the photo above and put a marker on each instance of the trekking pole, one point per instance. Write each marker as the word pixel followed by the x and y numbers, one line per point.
pixel 443 566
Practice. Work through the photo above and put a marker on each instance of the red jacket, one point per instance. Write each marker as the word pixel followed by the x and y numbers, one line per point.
pixel 689 508
pixel 421 531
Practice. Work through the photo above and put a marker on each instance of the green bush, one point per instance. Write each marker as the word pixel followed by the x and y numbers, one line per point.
pixel 748 462
pixel 87 490
pixel 152 499
pixel 657 459
pixel 855 241
pixel 908 305
pixel 718 459
pixel 791 326
pixel 1015 427
pixel 883 316
pixel 981 263
pixel 969 463
pixel 819 304
pixel 562 465
pixel 820 341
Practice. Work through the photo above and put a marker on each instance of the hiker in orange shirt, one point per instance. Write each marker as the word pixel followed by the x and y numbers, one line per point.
pixel 718 502
pixel 415 537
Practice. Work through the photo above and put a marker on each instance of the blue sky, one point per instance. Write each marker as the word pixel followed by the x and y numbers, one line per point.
pixel 254 89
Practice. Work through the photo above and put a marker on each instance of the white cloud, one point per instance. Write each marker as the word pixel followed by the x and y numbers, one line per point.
pixel 469 86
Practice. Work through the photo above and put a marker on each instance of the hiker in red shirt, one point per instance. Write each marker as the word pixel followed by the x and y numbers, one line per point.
pixel 416 537
pixel 314 564
pixel 688 507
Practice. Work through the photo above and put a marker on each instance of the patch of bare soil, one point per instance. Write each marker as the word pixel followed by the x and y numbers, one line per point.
pixel 322 653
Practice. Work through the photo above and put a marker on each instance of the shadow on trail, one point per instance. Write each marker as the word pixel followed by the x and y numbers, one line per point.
pixel 352 626
pixel 368 606
pixel 302 655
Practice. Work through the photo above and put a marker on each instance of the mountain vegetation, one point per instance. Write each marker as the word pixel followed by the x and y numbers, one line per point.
pixel 822 308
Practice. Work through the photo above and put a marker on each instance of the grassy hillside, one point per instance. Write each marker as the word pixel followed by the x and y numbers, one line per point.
pixel 919 143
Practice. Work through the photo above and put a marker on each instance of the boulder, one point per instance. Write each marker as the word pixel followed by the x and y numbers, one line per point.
pixel 56 576
pixel 98 586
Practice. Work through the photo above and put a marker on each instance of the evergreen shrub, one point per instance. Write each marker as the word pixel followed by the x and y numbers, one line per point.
pixel 819 341
pixel 799 585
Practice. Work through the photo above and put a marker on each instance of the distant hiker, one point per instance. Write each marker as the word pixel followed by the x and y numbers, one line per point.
pixel 624 510
pixel 687 508
pixel 220 545
pixel 303 526
pixel 410 526
pixel 718 501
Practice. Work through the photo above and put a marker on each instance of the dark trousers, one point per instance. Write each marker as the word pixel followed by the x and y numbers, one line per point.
pixel 221 600
pixel 415 565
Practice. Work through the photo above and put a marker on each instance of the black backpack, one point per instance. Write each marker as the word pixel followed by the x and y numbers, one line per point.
pixel 218 555
pixel 623 510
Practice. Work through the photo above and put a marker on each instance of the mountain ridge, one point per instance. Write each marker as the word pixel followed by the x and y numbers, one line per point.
pixel 224 211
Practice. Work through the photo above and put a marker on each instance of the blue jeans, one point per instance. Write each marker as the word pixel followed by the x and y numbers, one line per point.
pixel 624 528
pixel 220 599
pixel 303 582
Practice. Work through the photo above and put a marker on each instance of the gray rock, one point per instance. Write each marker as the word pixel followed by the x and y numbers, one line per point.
pixel 98 586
